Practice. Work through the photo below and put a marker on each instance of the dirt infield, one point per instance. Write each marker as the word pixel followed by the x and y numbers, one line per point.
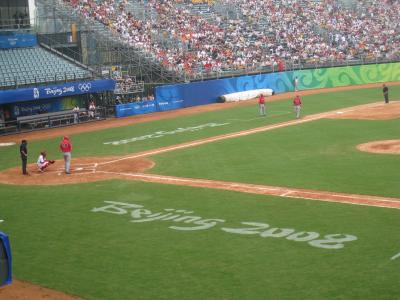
pixel 132 167
pixel 382 112
pixel 384 147
pixel 21 290
pixel 89 169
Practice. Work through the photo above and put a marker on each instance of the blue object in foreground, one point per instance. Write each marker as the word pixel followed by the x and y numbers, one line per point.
pixel 5 260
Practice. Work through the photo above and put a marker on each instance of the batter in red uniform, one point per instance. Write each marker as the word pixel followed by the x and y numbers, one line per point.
pixel 66 148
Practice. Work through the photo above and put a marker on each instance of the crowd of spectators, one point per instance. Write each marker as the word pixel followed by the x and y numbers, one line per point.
pixel 265 33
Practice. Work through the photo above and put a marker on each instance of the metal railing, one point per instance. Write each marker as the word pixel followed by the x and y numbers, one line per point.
pixel 8 127
pixel 22 24
pixel 65 56
pixel 36 80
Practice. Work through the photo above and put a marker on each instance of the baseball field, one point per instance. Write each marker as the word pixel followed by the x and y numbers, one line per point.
pixel 214 204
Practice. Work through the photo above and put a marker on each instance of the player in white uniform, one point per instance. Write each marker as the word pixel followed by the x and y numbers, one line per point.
pixel 42 162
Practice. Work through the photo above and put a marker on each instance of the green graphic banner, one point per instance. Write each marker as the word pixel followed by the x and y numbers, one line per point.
pixel 344 76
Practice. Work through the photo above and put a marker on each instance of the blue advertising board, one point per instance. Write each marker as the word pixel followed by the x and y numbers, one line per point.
pixel 17 40
pixel 56 90
pixel 164 105
pixel 135 108
pixel 206 92
pixel 5 256
pixel 36 107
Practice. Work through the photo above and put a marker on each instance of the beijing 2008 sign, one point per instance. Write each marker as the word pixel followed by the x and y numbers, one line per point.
pixel 184 220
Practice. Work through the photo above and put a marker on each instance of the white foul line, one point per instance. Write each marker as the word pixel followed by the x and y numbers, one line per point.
pixel 396 256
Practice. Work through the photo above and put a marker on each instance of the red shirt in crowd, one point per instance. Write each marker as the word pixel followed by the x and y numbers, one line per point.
pixel 261 100
pixel 65 145
pixel 297 100
pixel 281 66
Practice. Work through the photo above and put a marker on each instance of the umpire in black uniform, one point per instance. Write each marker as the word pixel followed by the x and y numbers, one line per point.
pixel 386 93
pixel 23 149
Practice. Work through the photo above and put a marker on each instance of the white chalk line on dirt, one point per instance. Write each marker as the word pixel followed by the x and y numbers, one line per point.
pixel 62 170
pixel 84 164
pixel 237 134
pixel 349 196
pixel 78 173
pixel 353 201
pixel 286 194
pixel 363 200
pixel 78 168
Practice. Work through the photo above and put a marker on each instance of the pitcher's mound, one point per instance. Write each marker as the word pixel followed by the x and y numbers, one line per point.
pixel 87 169
pixel 385 147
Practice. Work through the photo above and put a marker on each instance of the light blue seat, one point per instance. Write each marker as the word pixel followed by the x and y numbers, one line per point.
pixel 26 66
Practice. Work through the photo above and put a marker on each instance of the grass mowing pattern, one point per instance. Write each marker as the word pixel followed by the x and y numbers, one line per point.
pixel 104 256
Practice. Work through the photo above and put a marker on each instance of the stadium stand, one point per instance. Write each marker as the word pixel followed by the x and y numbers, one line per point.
pixel 194 37
pixel 28 66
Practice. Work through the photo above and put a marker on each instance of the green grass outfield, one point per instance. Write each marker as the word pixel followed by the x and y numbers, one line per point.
pixel 59 242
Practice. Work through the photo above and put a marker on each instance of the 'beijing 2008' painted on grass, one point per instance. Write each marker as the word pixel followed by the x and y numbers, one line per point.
pixel 162 133
pixel 184 220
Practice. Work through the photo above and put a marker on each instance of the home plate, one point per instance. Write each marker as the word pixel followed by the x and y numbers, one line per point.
pixel 79 169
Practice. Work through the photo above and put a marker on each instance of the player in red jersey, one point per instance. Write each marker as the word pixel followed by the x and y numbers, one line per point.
pixel 66 148
pixel 261 105
pixel 297 106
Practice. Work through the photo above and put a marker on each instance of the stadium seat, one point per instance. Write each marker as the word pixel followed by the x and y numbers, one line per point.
pixel 26 66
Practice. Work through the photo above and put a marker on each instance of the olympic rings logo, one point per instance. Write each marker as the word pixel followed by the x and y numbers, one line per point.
pixel 84 87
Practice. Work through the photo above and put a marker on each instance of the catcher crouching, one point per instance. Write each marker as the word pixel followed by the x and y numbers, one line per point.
pixel 42 161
